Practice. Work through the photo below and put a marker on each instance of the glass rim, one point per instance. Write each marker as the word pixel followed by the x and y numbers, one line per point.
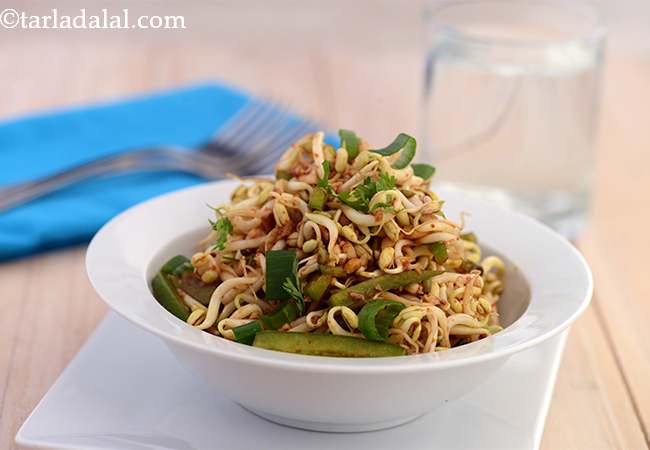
pixel 594 32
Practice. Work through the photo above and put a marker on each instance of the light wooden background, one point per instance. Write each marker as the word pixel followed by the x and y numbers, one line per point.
pixel 47 307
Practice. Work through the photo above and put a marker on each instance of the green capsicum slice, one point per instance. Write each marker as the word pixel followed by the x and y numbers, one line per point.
pixel 376 317
pixel 316 289
pixel 167 295
pixel 174 263
pixel 424 171
pixel 381 283
pixel 285 314
pixel 404 144
pixel 350 142
pixel 336 272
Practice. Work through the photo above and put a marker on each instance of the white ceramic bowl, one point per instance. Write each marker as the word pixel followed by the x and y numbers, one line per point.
pixel 547 287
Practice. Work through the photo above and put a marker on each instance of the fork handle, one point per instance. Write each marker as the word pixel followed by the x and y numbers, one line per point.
pixel 146 159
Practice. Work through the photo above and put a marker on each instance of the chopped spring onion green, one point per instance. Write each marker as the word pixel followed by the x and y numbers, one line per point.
pixel 280 265
pixel 404 144
pixel 285 314
pixel 350 142
pixel 325 345
pixel 424 171
pixel 439 250
pixel 245 334
pixel 376 317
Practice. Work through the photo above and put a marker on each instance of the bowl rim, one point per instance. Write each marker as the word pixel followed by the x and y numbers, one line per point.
pixel 528 330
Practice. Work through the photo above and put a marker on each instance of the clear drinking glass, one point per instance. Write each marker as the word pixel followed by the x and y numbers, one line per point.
pixel 510 103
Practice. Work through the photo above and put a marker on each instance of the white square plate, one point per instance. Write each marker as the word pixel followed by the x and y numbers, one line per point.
pixel 124 390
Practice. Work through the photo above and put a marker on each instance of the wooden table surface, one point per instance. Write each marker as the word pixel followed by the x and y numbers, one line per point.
pixel 602 396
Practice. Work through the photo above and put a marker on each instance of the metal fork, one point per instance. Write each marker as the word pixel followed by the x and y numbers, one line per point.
pixel 247 144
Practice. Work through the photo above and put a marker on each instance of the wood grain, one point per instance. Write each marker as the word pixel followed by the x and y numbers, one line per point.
pixel 616 244
pixel 602 397
pixel 590 407
pixel 51 311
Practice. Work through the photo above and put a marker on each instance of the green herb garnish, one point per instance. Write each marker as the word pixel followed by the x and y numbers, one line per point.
pixel 387 206
pixel 223 227
pixel 385 182
pixel 360 197
pixel 293 288
pixel 360 204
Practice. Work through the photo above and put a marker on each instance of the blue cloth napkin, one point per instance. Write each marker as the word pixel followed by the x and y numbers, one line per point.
pixel 41 145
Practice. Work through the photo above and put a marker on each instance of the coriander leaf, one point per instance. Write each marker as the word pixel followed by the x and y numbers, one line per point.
pixel 223 227
pixel 386 182
pixel 292 287
pixel 386 206
pixel 347 198
pixel 360 197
